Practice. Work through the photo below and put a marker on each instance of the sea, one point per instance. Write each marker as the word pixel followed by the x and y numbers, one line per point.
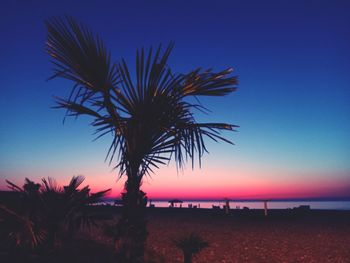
pixel 320 205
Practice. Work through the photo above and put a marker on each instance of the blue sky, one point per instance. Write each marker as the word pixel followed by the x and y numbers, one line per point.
pixel 292 59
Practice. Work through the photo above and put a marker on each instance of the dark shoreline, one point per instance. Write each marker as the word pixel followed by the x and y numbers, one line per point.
pixel 315 199
pixel 273 214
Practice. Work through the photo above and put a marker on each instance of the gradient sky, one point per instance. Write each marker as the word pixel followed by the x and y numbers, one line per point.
pixel 292 105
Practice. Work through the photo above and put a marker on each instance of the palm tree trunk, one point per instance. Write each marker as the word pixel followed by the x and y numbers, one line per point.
pixel 133 222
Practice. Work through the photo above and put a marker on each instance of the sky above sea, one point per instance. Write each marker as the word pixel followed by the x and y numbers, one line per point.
pixel 292 59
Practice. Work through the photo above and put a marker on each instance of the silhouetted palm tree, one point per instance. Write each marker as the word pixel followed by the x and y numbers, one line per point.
pixel 149 113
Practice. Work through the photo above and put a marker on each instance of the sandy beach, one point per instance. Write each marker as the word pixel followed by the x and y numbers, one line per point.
pixel 283 236
pixel 243 236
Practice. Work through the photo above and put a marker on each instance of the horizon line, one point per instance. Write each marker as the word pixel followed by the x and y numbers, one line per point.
pixel 237 199
pixel 247 199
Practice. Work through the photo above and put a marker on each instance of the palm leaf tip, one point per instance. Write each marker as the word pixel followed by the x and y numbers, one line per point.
pixel 208 83
pixel 79 55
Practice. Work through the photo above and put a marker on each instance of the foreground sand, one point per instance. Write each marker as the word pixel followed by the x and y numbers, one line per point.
pixel 283 236
pixel 242 236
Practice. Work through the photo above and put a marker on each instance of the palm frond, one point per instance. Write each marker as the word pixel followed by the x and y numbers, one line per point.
pixel 73 185
pixel 50 185
pixel 208 83
pixel 97 197
pixel 75 109
pixel 79 55
pixel 13 186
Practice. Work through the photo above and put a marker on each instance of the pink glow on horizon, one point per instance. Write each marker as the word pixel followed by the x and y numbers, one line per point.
pixel 278 192
pixel 244 184
pixel 209 183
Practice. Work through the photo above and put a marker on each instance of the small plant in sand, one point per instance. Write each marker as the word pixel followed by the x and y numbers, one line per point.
pixel 190 245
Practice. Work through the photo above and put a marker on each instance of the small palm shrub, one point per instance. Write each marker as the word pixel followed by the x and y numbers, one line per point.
pixel 190 245
pixel 43 213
